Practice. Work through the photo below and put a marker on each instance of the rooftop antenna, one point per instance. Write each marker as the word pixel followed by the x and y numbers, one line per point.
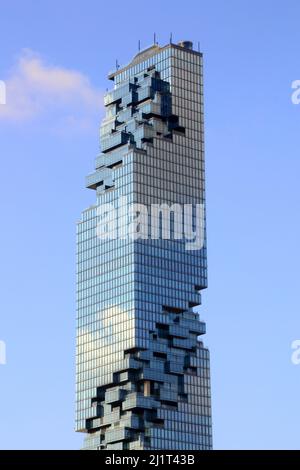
pixel 139 45
pixel 117 65
pixel 198 46
pixel 155 38
pixel 171 38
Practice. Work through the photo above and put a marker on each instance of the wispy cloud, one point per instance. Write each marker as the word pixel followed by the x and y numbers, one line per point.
pixel 60 97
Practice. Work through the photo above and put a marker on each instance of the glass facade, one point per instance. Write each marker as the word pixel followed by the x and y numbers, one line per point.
pixel 143 377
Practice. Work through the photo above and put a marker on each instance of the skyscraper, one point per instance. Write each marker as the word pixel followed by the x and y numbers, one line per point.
pixel 143 377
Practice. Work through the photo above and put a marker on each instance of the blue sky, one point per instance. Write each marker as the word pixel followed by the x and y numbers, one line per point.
pixel 54 57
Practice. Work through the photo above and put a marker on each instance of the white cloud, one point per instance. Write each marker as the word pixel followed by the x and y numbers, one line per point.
pixel 56 95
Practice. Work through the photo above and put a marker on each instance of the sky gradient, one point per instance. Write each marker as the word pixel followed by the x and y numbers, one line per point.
pixel 54 58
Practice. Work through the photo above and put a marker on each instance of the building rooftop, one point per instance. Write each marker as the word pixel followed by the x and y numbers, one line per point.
pixel 150 51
